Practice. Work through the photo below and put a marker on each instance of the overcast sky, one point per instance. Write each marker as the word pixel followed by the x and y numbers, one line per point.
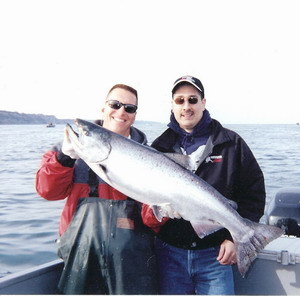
pixel 62 57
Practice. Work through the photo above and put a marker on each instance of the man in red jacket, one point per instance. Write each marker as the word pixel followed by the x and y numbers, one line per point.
pixel 104 244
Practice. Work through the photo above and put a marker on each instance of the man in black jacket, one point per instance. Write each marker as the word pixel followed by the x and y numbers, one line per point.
pixel 188 264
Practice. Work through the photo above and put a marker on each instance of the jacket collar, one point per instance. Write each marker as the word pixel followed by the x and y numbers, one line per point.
pixel 167 141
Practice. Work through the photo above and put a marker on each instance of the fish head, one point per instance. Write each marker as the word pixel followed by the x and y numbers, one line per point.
pixel 91 142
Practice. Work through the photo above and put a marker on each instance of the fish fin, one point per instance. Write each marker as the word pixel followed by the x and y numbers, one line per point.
pixel 190 162
pixel 100 170
pixel 195 158
pixel 181 159
pixel 247 248
pixel 164 210
pixel 204 228
pixel 233 204
pixel 157 213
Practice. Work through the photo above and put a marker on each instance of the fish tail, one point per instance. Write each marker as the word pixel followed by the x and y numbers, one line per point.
pixel 249 246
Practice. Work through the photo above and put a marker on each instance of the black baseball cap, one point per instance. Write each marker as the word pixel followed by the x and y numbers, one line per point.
pixel 191 80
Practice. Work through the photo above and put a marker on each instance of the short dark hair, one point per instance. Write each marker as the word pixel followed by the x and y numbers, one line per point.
pixel 125 87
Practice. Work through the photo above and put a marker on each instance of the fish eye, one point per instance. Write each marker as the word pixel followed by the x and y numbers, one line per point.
pixel 86 133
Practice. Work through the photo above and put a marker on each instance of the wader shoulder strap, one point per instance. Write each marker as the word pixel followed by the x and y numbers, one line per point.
pixel 93 183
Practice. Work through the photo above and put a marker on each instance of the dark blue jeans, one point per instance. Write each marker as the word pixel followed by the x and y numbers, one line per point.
pixel 192 271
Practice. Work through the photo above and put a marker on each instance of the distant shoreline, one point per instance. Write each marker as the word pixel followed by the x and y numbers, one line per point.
pixel 10 117
pixel 16 118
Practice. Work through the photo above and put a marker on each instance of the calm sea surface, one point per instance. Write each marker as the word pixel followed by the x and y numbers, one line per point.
pixel 29 224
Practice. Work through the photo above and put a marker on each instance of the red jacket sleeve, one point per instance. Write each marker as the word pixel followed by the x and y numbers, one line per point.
pixel 53 180
pixel 150 220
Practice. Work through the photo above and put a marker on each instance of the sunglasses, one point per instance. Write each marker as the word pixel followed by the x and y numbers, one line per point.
pixel 129 108
pixel 191 100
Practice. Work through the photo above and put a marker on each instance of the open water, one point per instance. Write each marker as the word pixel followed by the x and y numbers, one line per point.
pixel 29 224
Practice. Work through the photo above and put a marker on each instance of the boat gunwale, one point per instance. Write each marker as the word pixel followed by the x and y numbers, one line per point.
pixel 30 273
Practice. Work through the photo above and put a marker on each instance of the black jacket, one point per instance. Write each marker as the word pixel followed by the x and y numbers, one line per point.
pixel 230 167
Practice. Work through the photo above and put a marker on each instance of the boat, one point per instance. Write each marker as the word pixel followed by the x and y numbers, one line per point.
pixel 51 124
pixel 276 270
pixel 39 280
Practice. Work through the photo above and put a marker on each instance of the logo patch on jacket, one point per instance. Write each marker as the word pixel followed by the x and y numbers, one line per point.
pixel 214 159
pixel 125 223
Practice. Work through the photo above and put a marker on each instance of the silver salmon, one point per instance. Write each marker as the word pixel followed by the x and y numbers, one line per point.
pixel 154 178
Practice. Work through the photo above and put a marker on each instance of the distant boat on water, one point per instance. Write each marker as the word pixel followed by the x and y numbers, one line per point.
pixel 51 124
pixel 298 123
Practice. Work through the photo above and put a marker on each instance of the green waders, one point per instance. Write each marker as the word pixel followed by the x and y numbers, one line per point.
pixel 107 250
